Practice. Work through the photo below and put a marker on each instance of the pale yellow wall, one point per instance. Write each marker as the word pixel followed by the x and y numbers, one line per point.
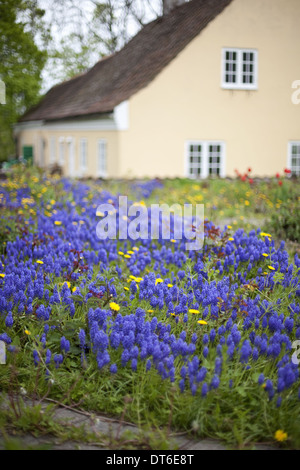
pixel 32 137
pixel 186 100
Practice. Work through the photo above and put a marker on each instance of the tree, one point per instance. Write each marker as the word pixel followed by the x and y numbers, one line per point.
pixel 89 30
pixel 21 63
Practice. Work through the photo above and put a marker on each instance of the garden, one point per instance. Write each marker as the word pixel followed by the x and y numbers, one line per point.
pixel 203 342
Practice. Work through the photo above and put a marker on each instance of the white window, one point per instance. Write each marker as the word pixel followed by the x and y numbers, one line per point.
pixel 102 158
pixel 52 158
pixel 294 158
pixel 83 154
pixel 61 151
pixel 205 158
pixel 239 68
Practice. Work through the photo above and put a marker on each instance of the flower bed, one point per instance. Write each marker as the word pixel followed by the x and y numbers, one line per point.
pixel 213 328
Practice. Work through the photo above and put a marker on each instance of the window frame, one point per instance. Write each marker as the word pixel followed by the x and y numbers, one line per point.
pixel 102 173
pixel 239 85
pixel 83 157
pixel 289 159
pixel 61 152
pixel 52 151
pixel 205 144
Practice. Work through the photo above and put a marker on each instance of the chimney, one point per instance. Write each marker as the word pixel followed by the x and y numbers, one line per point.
pixel 168 5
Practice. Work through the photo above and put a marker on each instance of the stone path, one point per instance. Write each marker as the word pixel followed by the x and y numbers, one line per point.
pixel 109 434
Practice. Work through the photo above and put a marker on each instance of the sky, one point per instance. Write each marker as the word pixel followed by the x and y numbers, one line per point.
pixel 62 16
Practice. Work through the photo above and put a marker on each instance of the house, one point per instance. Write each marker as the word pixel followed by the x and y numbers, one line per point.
pixel 205 89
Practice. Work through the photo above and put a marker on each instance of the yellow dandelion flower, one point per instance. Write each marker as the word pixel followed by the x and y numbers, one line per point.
pixel 202 322
pixel 126 288
pixel 27 332
pixel 170 285
pixel 173 241
pixel 57 222
pixel 52 202
pixel 280 435
pixel 120 253
pixel 158 280
pixel 115 307
pixel 247 203
pixel 74 289
pixel 127 256
pixel 265 255
pixel 271 268
pixel 2 275
pixel 192 310
pixel 135 248
pixel 231 239
pixel 99 214
pixel 130 252
pixel 150 311
pixel 66 282
pixel 229 226
pixel 39 261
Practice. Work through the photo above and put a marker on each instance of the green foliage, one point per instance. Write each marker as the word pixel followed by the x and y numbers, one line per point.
pixel 285 222
pixel 21 63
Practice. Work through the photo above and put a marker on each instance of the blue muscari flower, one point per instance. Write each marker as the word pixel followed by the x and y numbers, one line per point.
pixel 81 336
pixel 4 337
pixel 36 357
pixel 113 369
pixel 201 374
pixel 48 356
pixel 64 344
pixel 215 381
pixel 245 351
pixel 205 339
pixel 182 385
pixel 212 335
pixel 102 358
pixel 204 389
pixel 205 351
pixel 9 321
pixel 58 359
pixel 218 365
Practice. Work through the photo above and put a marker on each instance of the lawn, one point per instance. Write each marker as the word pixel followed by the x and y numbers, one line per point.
pixel 199 341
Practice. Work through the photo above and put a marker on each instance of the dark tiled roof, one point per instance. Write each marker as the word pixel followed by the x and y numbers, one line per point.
pixel 117 77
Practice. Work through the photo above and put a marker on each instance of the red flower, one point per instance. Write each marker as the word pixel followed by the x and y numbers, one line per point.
pixel 249 170
pixel 277 175
pixel 287 171
pixel 280 183
pixel 244 177
pixel 251 181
